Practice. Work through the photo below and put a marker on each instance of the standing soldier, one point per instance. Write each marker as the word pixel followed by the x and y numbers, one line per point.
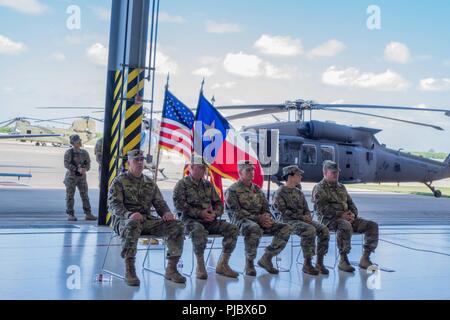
pixel 248 208
pixel 290 201
pixel 337 210
pixel 200 207
pixel 77 163
pixel 98 151
pixel 130 199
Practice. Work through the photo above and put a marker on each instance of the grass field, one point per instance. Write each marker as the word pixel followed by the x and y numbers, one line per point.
pixel 418 190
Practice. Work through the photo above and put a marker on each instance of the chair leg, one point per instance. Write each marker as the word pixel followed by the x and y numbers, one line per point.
pixel 147 254
pixel 104 270
pixel 192 265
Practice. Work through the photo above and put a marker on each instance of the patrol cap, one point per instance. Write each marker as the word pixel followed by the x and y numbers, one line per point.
pixel 245 164
pixel 135 154
pixel 197 159
pixel 330 165
pixel 74 138
pixel 291 170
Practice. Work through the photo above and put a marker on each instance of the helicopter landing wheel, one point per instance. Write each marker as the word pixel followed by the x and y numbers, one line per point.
pixel 37 144
pixel 436 193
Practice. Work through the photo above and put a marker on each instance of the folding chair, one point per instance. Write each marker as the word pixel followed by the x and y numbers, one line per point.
pixel 149 247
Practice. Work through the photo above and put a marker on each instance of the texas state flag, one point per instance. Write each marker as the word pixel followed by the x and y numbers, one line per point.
pixel 221 146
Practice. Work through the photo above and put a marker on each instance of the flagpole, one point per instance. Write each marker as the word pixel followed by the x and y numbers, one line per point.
pixel 158 151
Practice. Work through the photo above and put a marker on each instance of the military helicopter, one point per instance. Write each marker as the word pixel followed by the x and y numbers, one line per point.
pixel 361 157
pixel 43 135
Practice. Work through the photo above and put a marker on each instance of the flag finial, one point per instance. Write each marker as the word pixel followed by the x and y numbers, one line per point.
pixel 167 81
pixel 203 83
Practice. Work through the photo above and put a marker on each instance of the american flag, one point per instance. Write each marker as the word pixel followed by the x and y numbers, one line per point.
pixel 176 126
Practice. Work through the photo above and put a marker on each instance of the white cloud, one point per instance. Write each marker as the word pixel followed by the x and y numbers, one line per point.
pixel 251 66
pixel 242 64
pixel 226 85
pixel 165 17
pixel 237 101
pixel 208 60
pixel 354 78
pixel 10 47
pixel 276 73
pixel 431 84
pixel 98 54
pixel 279 45
pixel 58 56
pixel 328 49
pixel 165 64
pixel 33 7
pixel 397 52
pixel 102 13
pixel 203 72
pixel 222 27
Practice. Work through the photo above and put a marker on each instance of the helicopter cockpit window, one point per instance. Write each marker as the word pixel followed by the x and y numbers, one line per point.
pixel 327 153
pixel 309 154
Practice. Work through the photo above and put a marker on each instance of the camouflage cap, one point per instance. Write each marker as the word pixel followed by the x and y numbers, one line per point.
pixel 74 138
pixel 330 165
pixel 245 164
pixel 292 170
pixel 135 154
pixel 196 159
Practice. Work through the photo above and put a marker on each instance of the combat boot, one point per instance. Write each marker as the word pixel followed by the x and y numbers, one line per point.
pixel 365 260
pixel 90 217
pixel 72 217
pixel 223 268
pixel 320 266
pixel 172 273
pixel 201 270
pixel 130 273
pixel 344 264
pixel 308 268
pixel 250 268
pixel 266 263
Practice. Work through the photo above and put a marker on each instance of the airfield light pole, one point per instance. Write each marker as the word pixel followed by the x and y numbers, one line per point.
pixel 111 138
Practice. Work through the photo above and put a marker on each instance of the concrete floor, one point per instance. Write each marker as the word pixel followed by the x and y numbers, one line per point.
pixel 46 257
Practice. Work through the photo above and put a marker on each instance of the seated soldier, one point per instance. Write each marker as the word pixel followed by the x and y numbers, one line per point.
pixel 200 207
pixel 249 210
pixel 290 201
pixel 338 212
pixel 130 199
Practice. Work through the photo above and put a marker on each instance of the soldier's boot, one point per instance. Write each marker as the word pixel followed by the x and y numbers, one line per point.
pixel 201 269
pixel 266 263
pixel 72 217
pixel 130 273
pixel 172 273
pixel 90 217
pixel 344 264
pixel 320 266
pixel 308 268
pixel 365 260
pixel 250 268
pixel 223 268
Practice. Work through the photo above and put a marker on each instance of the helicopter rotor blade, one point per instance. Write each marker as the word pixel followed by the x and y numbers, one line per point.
pixel 388 118
pixel 253 113
pixel 362 106
pixel 7 123
pixel 84 108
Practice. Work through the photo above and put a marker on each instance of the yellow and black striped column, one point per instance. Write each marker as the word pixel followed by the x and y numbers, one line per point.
pixel 116 138
pixel 133 113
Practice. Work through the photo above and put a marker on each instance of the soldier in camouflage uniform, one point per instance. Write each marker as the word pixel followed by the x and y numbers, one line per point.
pixel 337 210
pixel 98 151
pixel 200 206
pixel 290 202
pixel 77 163
pixel 130 200
pixel 248 208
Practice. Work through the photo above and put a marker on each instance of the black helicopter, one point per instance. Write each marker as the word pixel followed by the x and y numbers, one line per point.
pixel 360 156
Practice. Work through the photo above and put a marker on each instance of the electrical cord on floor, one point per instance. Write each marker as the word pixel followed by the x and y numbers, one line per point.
pixel 415 249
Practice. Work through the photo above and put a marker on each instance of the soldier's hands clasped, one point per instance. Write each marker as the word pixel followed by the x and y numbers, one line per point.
pixel 168 216
pixel 137 216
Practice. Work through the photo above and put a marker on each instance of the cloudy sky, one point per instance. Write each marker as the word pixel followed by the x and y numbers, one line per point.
pixel 249 52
